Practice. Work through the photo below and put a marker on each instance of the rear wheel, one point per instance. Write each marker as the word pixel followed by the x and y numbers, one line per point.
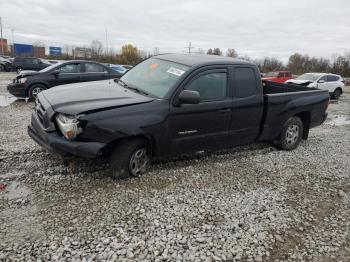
pixel 35 90
pixel 131 158
pixel 291 134
pixel 337 93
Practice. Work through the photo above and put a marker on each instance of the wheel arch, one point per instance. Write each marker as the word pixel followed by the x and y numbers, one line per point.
pixel 36 83
pixel 340 88
pixel 306 119
pixel 142 137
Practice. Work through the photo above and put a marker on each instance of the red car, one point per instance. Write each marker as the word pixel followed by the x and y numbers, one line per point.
pixel 278 76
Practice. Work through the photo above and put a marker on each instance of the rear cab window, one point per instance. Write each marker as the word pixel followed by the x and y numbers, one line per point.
pixel 245 82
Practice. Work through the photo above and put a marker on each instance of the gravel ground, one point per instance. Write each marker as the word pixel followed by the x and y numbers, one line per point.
pixel 252 203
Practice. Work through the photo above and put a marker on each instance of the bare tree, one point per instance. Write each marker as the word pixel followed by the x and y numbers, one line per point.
pixel 231 52
pixel 96 49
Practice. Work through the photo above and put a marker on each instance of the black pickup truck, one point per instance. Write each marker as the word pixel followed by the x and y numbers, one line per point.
pixel 174 104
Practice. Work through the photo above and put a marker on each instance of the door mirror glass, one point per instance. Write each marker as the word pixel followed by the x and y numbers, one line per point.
pixel 189 97
pixel 56 72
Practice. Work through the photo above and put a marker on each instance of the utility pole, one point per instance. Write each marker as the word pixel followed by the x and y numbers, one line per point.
pixel 2 39
pixel 106 42
pixel 13 43
pixel 189 47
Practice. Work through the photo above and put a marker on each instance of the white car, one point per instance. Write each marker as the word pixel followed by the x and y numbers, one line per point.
pixel 324 81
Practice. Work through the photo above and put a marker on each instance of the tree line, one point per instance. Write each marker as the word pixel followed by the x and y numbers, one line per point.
pixel 297 63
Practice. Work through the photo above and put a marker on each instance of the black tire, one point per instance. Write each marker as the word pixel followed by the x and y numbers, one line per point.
pixel 123 158
pixel 19 69
pixel 337 93
pixel 291 134
pixel 34 90
pixel 2 68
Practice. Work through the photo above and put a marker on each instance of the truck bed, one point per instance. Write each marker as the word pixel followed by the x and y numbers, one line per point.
pixel 276 88
pixel 283 100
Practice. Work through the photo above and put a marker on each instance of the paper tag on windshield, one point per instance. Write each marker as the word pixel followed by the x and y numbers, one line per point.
pixel 175 71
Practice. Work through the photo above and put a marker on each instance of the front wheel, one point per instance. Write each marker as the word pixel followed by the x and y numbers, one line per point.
pixel 131 158
pixel 291 134
pixel 35 90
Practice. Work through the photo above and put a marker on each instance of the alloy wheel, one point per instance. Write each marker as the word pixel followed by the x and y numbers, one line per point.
pixel 139 162
pixel 292 134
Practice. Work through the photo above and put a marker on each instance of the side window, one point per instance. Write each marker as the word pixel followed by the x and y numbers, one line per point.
pixel 94 68
pixel 34 61
pixel 287 74
pixel 211 86
pixel 323 78
pixel 280 74
pixel 245 82
pixel 70 68
pixel 332 78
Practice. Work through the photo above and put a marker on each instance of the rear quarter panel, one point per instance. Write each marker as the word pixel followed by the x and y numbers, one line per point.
pixel 280 107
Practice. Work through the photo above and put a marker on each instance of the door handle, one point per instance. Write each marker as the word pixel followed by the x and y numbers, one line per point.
pixel 225 110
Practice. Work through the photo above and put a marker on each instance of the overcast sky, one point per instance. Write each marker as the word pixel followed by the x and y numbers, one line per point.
pixel 253 27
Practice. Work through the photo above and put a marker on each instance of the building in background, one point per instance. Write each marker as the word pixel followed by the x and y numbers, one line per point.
pixel 4 50
pixel 82 52
pixel 39 51
pixel 55 51
pixel 23 50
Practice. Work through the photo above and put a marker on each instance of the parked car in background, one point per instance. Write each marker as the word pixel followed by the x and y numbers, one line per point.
pixel 29 63
pixel 346 81
pixel 120 68
pixel 334 84
pixel 174 104
pixel 5 64
pixel 30 83
pixel 278 76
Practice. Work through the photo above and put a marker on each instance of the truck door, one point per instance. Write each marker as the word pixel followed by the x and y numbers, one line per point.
pixel 248 105
pixel 203 126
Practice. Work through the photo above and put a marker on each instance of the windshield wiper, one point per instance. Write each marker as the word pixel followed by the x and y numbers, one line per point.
pixel 140 91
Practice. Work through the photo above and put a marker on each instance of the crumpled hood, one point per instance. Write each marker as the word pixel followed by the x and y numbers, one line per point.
pixel 79 98
pixel 25 73
pixel 299 82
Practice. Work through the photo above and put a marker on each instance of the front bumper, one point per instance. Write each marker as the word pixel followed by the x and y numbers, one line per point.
pixel 18 89
pixel 55 143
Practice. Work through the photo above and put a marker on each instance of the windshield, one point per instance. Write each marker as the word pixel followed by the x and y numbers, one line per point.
pixel 154 76
pixel 44 61
pixel 309 77
pixel 271 74
pixel 46 69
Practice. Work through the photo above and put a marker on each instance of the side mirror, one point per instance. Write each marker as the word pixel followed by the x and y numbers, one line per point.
pixel 56 72
pixel 189 97
pixel 321 81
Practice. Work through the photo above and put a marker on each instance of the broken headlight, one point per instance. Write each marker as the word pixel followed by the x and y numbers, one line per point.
pixel 69 126
pixel 22 80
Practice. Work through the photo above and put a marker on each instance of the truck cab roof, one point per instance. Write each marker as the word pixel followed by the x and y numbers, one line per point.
pixel 200 60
